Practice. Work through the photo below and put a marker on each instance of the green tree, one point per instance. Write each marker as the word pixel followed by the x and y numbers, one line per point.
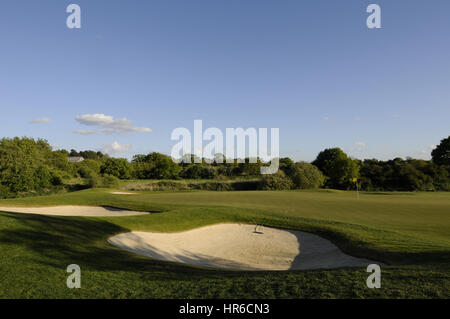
pixel 155 166
pixel 74 153
pixel 337 167
pixel 305 175
pixel 441 154
pixel 251 169
pixel 58 159
pixel 91 155
pixel 287 165
pixel 193 171
pixel 277 181
pixel 118 167
pixel 196 171
pixel 89 164
pixel 25 165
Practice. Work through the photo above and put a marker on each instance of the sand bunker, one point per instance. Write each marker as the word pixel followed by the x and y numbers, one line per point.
pixel 239 247
pixel 73 211
pixel 122 193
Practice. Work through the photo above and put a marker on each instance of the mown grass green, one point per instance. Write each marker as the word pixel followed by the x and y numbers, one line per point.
pixel 406 231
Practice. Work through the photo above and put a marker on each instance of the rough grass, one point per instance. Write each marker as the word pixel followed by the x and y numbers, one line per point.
pixel 407 231
pixel 235 184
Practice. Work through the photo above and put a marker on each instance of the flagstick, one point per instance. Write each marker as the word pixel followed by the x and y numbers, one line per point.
pixel 357 190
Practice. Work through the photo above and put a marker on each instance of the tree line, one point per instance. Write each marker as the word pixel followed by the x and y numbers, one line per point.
pixel 29 166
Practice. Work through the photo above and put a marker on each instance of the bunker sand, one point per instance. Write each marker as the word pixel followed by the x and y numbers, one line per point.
pixel 93 211
pixel 239 247
pixel 122 193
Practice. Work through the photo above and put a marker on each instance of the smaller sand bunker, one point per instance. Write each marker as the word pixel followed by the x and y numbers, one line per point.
pixel 239 247
pixel 122 193
pixel 73 211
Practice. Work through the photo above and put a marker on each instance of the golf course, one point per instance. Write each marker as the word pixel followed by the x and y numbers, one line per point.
pixel 406 233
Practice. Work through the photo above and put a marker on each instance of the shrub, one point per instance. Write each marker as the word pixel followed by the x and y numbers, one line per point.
pixel 118 167
pixel 215 186
pixel 169 186
pixel 208 173
pixel 245 185
pixel 4 191
pixel 94 181
pixel 85 172
pixel 90 164
pixel 56 178
pixel 110 181
pixel 305 176
pixel 42 177
pixel 277 181
pixel 193 171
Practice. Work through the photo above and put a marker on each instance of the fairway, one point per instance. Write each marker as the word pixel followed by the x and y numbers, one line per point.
pixel 406 231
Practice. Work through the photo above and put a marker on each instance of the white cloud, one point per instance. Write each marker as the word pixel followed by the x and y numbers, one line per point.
pixel 107 124
pixel 428 149
pixel 116 148
pixel 360 146
pixel 85 132
pixel 40 120
pixel 330 120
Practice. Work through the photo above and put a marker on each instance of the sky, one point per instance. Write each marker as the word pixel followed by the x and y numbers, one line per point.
pixel 136 70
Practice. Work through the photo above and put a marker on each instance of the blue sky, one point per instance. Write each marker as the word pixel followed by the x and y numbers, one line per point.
pixel 310 68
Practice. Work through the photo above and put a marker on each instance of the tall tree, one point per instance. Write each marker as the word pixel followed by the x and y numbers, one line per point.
pixel 337 167
pixel 118 167
pixel 441 154
pixel 25 165
pixel 155 165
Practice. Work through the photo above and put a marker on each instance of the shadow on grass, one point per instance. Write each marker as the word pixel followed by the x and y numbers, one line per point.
pixel 60 241
pixel 117 209
pixel 76 187
pixel 369 242
pixel 365 250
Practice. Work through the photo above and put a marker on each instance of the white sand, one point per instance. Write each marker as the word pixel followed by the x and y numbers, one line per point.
pixel 122 193
pixel 238 247
pixel 73 211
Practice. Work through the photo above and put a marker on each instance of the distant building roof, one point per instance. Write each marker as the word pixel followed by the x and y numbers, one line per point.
pixel 75 159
